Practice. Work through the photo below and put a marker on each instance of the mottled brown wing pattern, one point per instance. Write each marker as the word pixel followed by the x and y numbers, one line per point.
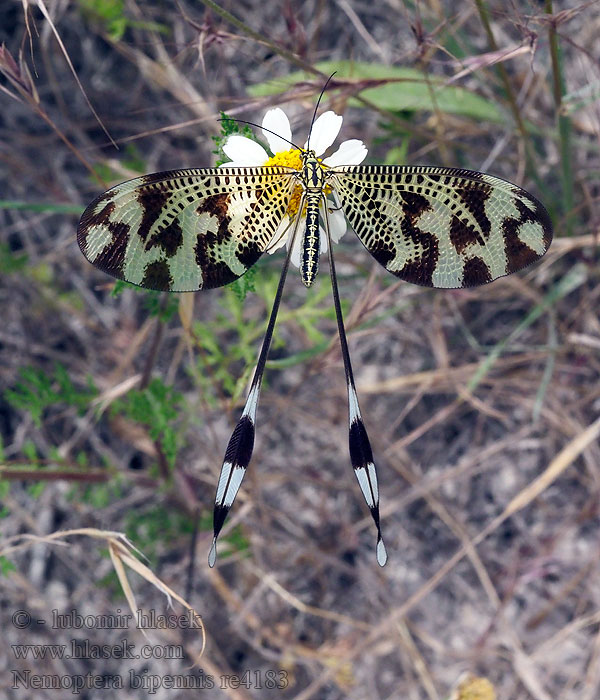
pixel 185 230
pixel 442 227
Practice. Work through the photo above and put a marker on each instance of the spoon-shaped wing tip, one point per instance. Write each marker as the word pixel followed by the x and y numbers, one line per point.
pixel 212 555
pixel 381 553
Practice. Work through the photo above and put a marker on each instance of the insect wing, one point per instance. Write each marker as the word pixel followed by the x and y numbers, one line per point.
pixel 442 227
pixel 185 230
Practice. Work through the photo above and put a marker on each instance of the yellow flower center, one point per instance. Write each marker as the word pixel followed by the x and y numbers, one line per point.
pixel 290 159
pixel 293 159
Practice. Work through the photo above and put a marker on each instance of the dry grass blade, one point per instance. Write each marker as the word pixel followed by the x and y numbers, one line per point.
pixel 120 553
pixel 576 276
pixel 475 63
pixel 18 76
pixel 120 550
pixel 41 4
pixel 563 460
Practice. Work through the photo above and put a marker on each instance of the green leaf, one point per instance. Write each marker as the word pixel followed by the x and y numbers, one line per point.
pixel 119 287
pixel 244 284
pixel 6 566
pixel 36 489
pixel 157 408
pixel 401 90
pixel 110 15
pixel 155 527
pixel 159 304
pixel 10 261
pixel 301 357
pixel 36 391
pixel 43 207
pixel 229 126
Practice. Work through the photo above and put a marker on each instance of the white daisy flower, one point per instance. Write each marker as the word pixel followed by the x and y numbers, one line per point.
pixel 246 153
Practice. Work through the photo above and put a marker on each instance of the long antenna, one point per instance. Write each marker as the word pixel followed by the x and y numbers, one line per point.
pixel 241 443
pixel 314 116
pixel 361 454
pixel 243 121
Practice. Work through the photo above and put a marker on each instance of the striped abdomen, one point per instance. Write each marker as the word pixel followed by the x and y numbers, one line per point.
pixel 311 243
pixel 314 181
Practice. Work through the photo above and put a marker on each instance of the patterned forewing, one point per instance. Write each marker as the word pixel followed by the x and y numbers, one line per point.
pixel 442 227
pixel 185 230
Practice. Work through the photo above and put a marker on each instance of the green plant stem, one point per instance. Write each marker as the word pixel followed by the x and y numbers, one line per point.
pixel 510 95
pixel 151 359
pixel 564 122
pixel 44 207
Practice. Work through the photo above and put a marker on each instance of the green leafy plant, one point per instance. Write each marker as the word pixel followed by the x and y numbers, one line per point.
pixel 156 407
pixel 215 357
pixel 110 15
pixel 229 127
pixel 11 262
pixel 157 525
pixel 396 89
pixel 6 566
pixel 244 284
pixel 163 306
pixel 36 391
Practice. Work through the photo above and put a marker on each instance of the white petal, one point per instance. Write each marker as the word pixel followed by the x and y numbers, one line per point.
pixel 351 152
pixel 324 132
pixel 234 164
pixel 323 240
pixel 337 224
pixel 276 121
pixel 296 250
pixel 337 220
pixel 244 151
pixel 280 237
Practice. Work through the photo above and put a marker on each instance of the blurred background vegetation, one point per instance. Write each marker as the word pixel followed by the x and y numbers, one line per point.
pixel 482 405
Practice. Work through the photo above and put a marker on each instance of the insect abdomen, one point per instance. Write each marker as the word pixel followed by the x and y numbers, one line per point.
pixel 311 244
